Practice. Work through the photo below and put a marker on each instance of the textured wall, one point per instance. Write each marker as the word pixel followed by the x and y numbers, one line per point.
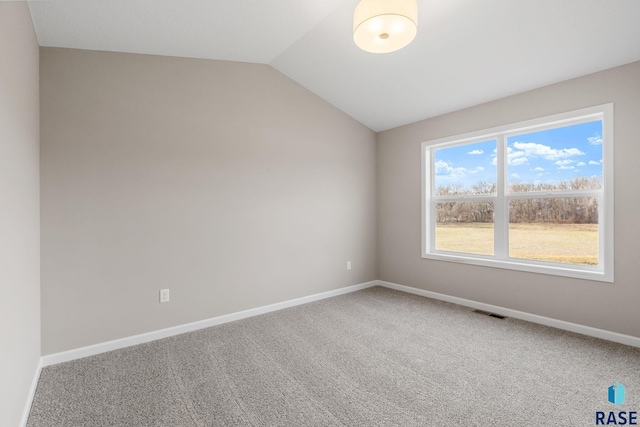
pixel 19 210
pixel 226 182
pixel 607 306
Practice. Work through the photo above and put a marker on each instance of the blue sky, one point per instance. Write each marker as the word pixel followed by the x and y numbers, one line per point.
pixel 548 156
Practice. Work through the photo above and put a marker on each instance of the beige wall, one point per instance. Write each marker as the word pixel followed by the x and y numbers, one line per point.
pixel 612 307
pixel 227 183
pixel 19 210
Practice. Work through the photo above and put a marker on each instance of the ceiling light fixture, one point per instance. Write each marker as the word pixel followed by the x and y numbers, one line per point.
pixel 381 26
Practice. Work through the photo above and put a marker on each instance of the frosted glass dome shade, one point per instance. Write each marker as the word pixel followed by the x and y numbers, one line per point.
pixel 381 26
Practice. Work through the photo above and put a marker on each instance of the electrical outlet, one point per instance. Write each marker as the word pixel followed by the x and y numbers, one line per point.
pixel 348 265
pixel 164 295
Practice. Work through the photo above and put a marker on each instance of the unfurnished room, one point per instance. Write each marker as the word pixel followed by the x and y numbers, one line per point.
pixel 319 213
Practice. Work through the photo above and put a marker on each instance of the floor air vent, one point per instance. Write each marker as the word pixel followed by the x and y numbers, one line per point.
pixel 487 313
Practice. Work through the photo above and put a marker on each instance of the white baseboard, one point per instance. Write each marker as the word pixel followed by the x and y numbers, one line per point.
pixel 32 393
pixel 91 350
pixel 78 353
pixel 534 318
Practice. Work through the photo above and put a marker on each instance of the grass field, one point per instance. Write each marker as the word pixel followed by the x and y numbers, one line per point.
pixel 570 243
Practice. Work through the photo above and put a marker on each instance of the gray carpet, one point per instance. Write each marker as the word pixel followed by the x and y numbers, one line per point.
pixel 374 357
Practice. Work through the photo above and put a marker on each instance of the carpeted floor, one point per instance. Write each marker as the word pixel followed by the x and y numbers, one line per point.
pixel 374 357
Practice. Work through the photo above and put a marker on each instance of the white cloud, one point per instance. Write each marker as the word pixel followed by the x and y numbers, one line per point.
pixel 518 161
pixel 515 175
pixel 566 167
pixel 442 166
pixel 520 153
pixel 580 164
pixel 538 169
pixel 532 149
pixel 513 154
pixel 445 171
pixel 592 162
pixel 595 140
pixel 514 158
pixel 476 152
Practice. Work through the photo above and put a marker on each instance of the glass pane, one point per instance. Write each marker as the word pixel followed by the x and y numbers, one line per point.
pixel 466 169
pixel 559 230
pixel 465 227
pixel 564 158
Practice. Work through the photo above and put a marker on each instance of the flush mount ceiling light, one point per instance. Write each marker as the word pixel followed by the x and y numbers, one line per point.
pixel 381 26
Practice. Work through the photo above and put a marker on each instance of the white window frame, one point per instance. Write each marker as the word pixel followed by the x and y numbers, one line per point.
pixel 602 272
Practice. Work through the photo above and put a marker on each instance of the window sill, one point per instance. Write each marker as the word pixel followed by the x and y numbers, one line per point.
pixel 540 267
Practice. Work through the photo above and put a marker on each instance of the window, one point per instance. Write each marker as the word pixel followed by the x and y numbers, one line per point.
pixel 533 196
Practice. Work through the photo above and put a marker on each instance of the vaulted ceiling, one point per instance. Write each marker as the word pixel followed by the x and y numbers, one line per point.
pixel 466 52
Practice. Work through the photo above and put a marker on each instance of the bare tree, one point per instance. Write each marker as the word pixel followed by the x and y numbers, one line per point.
pixel 573 210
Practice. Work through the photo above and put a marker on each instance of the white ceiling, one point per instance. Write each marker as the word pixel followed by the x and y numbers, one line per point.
pixel 466 52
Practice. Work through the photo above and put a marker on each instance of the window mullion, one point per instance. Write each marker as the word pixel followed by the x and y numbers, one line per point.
pixel 501 213
pixel 432 202
pixel 555 194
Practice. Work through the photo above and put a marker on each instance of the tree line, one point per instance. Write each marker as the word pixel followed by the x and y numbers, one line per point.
pixel 561 210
